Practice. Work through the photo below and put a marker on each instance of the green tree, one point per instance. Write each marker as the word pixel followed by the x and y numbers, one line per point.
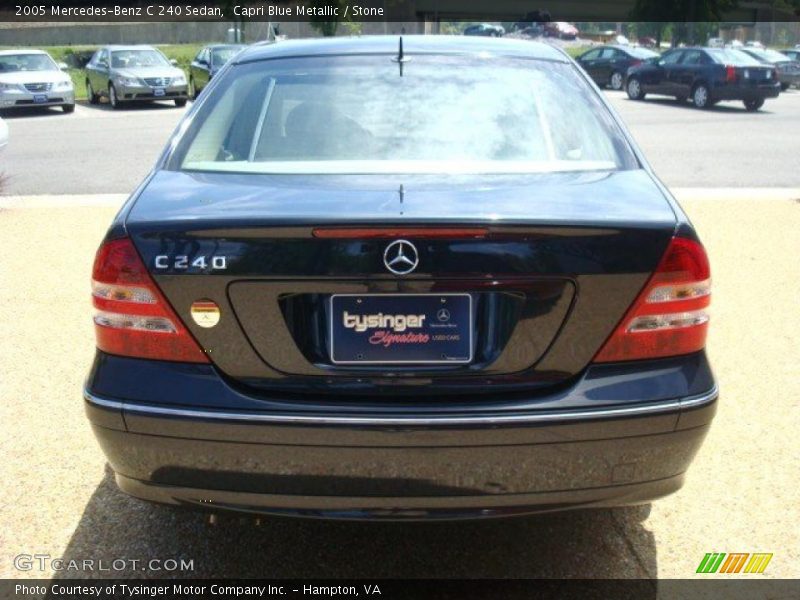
pixel 691 19
pixel 322 23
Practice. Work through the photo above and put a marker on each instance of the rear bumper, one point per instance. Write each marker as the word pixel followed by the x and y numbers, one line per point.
pixel 346 465
pixel 746 93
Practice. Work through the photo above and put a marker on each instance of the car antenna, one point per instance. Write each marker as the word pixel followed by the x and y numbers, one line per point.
pixel 401 58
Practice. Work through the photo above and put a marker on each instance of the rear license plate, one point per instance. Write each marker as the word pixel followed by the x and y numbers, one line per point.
pixel 40 98
pixel 159 92
pixel 375 329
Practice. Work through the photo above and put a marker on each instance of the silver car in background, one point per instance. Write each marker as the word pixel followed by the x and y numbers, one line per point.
pixel 33 78
pixel 788 69
pixel 134 73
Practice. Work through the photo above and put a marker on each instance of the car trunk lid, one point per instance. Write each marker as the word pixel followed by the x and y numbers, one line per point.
pixel 550 264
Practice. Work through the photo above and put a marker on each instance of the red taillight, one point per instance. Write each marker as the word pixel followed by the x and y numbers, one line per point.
pixel 132 317
pixel 730 73
pixel 668 317
pixel 636 63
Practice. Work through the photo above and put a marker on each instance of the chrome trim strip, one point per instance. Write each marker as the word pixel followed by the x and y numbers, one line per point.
pixel 670 405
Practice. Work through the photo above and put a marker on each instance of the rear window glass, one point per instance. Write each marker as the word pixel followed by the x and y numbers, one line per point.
pixel 768 55
pixel 221 55
pixel 356 114
pixel 642 53
pixel 736 58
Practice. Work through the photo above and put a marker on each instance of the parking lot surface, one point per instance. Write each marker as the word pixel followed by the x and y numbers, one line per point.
pixel 60 498
pixel 97 150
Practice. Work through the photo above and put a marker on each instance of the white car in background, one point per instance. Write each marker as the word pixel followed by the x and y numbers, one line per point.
pixel 33 78
pixel 3 135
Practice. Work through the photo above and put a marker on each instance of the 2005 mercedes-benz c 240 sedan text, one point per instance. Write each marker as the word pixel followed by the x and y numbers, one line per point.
pixel 384 278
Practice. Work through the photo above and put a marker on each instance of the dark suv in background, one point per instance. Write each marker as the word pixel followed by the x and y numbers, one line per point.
pixel 706 75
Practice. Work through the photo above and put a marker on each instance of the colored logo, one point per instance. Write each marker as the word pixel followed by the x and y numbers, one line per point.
pixel 205 313
pixel 735 562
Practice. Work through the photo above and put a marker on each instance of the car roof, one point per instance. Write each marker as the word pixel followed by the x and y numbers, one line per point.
pixel 127 47
pixel 412 44
pixel 21 51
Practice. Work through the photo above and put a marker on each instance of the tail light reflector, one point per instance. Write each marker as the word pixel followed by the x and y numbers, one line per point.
pixel 636 63
pixel 669 315
pixel 132 317
pixel 730 73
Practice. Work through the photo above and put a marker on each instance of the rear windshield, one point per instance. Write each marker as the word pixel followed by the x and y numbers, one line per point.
pixel 371 114
pixel 736 58
pixel 126 59
pixel 642 53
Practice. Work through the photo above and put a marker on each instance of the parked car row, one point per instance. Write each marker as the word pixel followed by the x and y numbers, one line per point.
pixel 532 29
pixel 706 75
pixel 120 74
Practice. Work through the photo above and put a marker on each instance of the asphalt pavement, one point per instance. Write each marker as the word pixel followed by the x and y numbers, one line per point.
pixel 97 150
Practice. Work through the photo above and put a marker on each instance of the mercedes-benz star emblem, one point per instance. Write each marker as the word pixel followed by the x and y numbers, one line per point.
pixel 401 257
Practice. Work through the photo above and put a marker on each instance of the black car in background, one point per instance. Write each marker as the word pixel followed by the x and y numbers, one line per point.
pixel 342 294
pixel 788 68
pixel 607 65
pixel 485 30
pixel 706 75
pixel 207 62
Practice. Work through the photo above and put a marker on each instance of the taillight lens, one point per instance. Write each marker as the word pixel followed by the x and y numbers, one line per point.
pixel 669 316
pixel 730 73
pixel 636 62
pixel 132 317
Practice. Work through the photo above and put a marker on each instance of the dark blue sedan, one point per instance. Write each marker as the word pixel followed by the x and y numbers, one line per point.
pixel 428 277
pixel 607 65
pixel 706 75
